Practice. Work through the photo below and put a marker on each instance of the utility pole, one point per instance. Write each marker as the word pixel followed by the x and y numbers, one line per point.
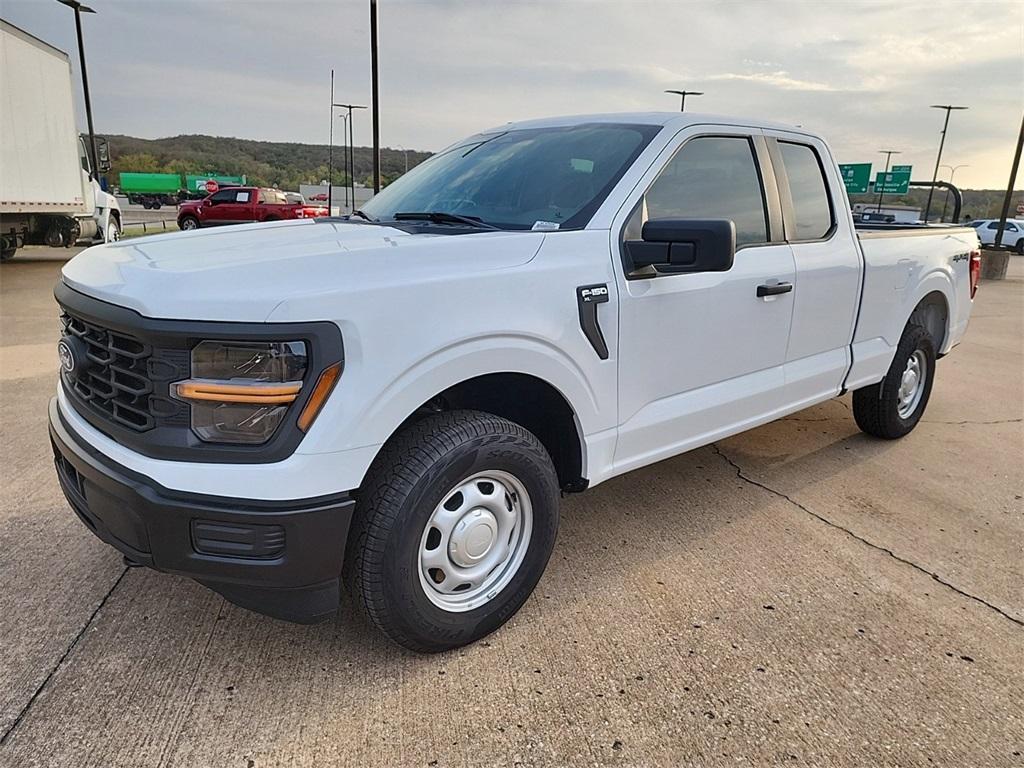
pixel 952 172
pixel 683 95
pixel 374 96
pixel 935 176
pixel 1009 187
pixel 79 9
pixel 888 154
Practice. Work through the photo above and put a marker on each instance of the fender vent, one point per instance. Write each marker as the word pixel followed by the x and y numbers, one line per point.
pixel 259 542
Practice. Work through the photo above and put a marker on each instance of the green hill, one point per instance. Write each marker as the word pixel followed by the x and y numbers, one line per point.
pixel 265 163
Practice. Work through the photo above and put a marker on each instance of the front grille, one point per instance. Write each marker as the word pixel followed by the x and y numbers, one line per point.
pixel 115 381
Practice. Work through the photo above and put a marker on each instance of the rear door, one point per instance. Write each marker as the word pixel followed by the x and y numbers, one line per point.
pixel 239 207
pixel 700 354
pixel 826 291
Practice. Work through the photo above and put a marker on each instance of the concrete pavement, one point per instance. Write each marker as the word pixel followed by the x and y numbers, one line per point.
pixel 800 595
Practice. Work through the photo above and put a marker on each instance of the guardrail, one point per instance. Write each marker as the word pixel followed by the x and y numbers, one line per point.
pixel 157 225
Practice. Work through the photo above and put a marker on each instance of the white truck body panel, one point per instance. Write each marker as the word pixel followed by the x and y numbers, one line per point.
pixel 692 357
pixel 40 168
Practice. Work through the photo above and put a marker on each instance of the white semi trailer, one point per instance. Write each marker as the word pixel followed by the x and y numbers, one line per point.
pixel 49 192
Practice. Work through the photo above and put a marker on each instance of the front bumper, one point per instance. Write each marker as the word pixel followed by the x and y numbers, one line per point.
pixel 280 558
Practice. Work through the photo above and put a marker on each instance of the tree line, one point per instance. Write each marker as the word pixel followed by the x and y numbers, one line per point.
pixel 263 163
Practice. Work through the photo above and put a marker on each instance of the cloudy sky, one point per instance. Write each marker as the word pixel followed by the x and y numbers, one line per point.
pixel 862 73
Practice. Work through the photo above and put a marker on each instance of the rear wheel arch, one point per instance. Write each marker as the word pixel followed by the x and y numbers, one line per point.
pixel 932 314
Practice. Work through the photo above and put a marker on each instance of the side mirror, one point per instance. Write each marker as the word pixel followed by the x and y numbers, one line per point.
pixel 103 154
pixel 674 246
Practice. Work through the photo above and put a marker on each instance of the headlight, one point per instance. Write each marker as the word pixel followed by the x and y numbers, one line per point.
pixel 240 391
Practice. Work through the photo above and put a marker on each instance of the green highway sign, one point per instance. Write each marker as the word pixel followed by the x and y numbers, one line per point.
pixel 902 168
pixel 856 177
pixel 892 183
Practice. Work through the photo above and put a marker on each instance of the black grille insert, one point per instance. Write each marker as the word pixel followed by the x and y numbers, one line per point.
pixel 115 381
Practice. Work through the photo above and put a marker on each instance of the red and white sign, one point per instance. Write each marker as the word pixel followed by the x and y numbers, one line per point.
pixel 212 186
pixel 1020 208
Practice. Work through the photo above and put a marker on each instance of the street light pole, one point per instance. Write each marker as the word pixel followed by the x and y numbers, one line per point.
pixel 374 96
pixel 330 151
pixel 683 95
pixel 79 9
pixel 344 147
pixel 888 154
pixel 931 190
pixel 952 172
pixel 351 150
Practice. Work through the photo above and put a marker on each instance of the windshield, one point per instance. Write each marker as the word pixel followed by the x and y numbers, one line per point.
pixel 536 178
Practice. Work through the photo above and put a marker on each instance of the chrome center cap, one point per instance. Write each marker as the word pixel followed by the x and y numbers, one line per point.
pixel 473 538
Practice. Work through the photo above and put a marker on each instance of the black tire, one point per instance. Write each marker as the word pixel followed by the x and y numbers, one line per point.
pixel 876 409
pixel 7 254
pixel 413 474
pixel 188 223
pixel 1020 246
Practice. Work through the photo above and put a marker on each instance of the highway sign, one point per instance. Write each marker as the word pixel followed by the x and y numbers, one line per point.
pixel 856 177
pixel 892 183
pixel 902 168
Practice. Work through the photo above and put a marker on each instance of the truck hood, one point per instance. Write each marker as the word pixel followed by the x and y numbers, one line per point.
pixel 243 272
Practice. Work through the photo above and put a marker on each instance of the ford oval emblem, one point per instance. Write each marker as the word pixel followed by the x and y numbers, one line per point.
pixel 66 356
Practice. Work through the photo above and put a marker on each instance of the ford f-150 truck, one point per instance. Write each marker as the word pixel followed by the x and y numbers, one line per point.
pixel 240 205
pixel 393 401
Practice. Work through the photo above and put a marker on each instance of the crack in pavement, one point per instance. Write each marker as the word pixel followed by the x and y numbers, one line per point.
pixel 978 423
pixel 862 540
pixel 32 699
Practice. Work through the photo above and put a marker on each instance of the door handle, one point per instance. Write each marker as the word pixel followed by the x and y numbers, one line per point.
pixel 773 290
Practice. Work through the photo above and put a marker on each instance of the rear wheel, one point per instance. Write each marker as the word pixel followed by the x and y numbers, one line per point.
pixel 1020 246
pixel 8 253
pixel 188 223
pixel 453 529
pixel 892 408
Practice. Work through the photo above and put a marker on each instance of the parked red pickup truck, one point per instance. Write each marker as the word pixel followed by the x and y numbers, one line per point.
pixel 238 205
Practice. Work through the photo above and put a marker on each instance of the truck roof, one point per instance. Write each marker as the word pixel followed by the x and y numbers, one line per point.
pixel 674 119
pixel 30 38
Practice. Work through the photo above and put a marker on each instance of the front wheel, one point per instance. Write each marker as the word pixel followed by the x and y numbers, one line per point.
pixel 892 408
pixel 1020 246
pixel 453 529
pixel 113 233
pixel 188 223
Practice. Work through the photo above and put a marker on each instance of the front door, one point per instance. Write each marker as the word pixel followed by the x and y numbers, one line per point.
pixel 701 355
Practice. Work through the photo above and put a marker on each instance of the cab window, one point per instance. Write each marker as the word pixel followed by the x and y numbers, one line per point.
pixel 812 209
pixel 710 177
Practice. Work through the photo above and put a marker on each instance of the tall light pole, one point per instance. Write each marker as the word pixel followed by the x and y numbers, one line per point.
pixel 888 154
pixel 683 95
pixel 374 100
pixel 330 151
pixel 79 10
pixel 938 159
pixel 406 151
pixel 952 172
pixel 351 150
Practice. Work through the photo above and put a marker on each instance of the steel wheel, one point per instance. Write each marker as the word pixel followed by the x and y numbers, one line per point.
pixel 475 541
pixel 912 384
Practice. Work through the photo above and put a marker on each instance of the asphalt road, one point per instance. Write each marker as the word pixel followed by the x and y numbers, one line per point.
pixel 800 595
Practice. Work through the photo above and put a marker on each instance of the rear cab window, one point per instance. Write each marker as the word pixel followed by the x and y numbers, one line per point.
pixel 813 217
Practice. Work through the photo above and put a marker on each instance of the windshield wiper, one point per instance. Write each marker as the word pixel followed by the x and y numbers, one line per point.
pixel 443 217
pixel 361 215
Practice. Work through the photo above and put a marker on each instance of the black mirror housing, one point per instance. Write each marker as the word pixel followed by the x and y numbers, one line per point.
pixel 674 246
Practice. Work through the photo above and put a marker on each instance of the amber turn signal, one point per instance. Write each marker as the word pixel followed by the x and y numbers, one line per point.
pixel 319 396
pixel 257 393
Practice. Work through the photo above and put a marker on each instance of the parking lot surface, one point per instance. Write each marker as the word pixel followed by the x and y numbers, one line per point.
pixel 800 594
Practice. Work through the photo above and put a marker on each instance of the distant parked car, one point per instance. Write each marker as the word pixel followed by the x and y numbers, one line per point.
pixel 1013 235
pixel 239 205
pixel 876 218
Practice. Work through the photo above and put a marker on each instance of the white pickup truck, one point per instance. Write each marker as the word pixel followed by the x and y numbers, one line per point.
pixel 394 400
